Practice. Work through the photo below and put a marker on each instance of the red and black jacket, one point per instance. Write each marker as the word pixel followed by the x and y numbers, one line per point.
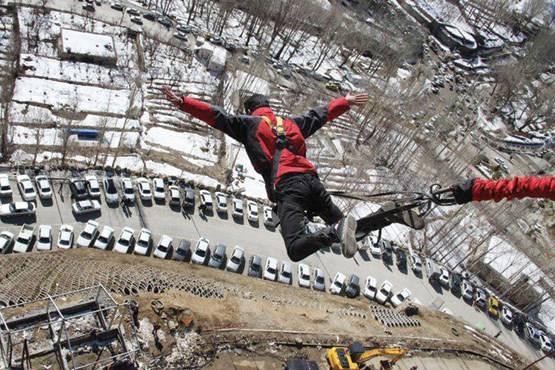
pixel 515 188
pixel 260 140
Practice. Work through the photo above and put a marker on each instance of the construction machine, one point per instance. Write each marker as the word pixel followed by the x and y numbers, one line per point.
pixel 355 356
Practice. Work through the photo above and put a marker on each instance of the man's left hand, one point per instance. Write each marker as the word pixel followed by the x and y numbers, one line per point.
pixel 358 99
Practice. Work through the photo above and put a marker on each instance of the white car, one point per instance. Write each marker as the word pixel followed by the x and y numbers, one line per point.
pixel 110 190
pixel 237 208
pixel 205 200
pixel 371 287
pixel 26 188
pixel 17 209
pixel 88 234
pixel 319 282
pixel 44 241
pixel 6 239
pixel 143 185
pixel 376 250
pixel 175 195
pixel 400 297
pixel 86 206
pixel 506 315
pixel 444 277
pixel 416 263
pixel 65 237
pixel 221 202
pixel 202 251
pixel 127 189
pixel 159 189
pixel 532 334
pixel 24 239
pixel 467 290
pixel 268 216
pixel 545 343
pixel 270 269
pixel 104 238
pixel 252 211
pixel 338 283
pixel 164 247
pixel 480 299
pixel 236 260
pixel 303 275
pixel 125 240
pixel 5 187
pixel 383 294
pixel 143 242
pixel 43 186
pixel 285 275
pixel 93 186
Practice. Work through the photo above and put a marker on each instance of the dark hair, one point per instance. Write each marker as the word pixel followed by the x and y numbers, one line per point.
pixel 254 102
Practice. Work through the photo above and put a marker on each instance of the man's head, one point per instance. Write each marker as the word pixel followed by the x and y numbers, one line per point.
pixel 254 102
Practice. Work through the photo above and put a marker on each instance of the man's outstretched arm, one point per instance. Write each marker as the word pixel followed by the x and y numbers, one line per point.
pixel 317 117
pixel 516 188
pixel 234 126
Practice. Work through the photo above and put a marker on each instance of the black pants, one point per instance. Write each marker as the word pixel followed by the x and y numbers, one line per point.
pixel 295 194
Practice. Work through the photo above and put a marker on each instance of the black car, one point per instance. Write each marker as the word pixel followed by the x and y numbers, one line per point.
pixel 353 286
pixel 401 259
pixel 133 12
pixel 519 323
pixel 150 16
pixel 456 281
pixel 218 257
pixel 387 251
pixel 164 21
pixel 188 198
pixel 255 267
pixel 184 29
pixel 89 7
pixel 117 6
pixel 183 251
pixel 78 188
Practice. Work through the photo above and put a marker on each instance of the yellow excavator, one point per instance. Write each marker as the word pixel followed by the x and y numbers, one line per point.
pixel 355 356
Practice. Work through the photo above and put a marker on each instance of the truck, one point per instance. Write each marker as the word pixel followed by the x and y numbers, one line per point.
pixel 24 239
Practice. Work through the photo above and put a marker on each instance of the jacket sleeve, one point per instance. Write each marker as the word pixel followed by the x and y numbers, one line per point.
pixel 234 126
pixel 518 187
pixel 317 117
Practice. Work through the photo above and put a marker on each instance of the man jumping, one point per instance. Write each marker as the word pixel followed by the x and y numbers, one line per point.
pixel 277 150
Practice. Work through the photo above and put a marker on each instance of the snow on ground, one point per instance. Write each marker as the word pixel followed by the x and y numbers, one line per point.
pixel 87 44
pixel 60 95
pixel 165 169
pixel 494 125
pixel 253 185
pixel 196 146
pixel 445 12
pixel 508 261
pixel 243 81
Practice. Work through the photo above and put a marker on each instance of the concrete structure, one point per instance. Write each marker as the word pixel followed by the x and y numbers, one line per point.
pixel 87 47
pixel 213 56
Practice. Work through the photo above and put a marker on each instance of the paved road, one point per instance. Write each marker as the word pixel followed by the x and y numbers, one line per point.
pixel 257 239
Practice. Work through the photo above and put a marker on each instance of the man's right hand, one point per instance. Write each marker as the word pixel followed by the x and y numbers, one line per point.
pixel 358 99
pixel 176 100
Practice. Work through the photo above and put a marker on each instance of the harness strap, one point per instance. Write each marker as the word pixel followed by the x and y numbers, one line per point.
pixel 281 143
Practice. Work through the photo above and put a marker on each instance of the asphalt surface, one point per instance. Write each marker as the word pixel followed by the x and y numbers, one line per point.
pixel 260 240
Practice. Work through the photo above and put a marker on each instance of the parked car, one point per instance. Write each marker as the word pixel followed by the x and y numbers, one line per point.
pixel 480 298
pixel 164 21
pixel 86 206
pixel 202 251
pixel 532 334
pixel 110 190
pixel 145 192
pixel 467 290
pixel 183 251
pixel 400 297
pixel 270 269
pixel 150 16
pixel 352 289
pixel 175 195
pixel 188 198
pixel 237 208
pixel 493 306
pixel 117 6
pixel 401 259
pixel 236 260
pixel 370 287
pixel 143 243
pixel 136 20
pixel 105 238
pixel 221 202
pixel 444 277
pixel 268 216
pixel 319 280
pixel 303 275
pixel 252 211
pixel 218 257
pixel 255 267
pixel 134 12
pixel 338 283
pixel 205 200
pixel 285 275
pixel 93 186
pixel 78 188
pixel 164 247
pixel 88 7
pixel 376 250
pixel 545 343
pixel 88 235
pixel 127 189
pixel 125 241
pixel 24 240
pixel 65 237
pixel 456 281
pixel 6 239
pixel 159 189
pixel 26 188
pixel 416 263
pixel 384 292
pixel 506 315
pixel 43 187
pixel 5 187
pixel 17 209
pixel 44 242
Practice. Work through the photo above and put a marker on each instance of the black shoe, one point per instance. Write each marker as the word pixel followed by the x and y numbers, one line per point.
pixel 406 217
pixel 346 229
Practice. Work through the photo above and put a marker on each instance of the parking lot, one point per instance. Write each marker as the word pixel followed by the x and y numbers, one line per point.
pixel 255 239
